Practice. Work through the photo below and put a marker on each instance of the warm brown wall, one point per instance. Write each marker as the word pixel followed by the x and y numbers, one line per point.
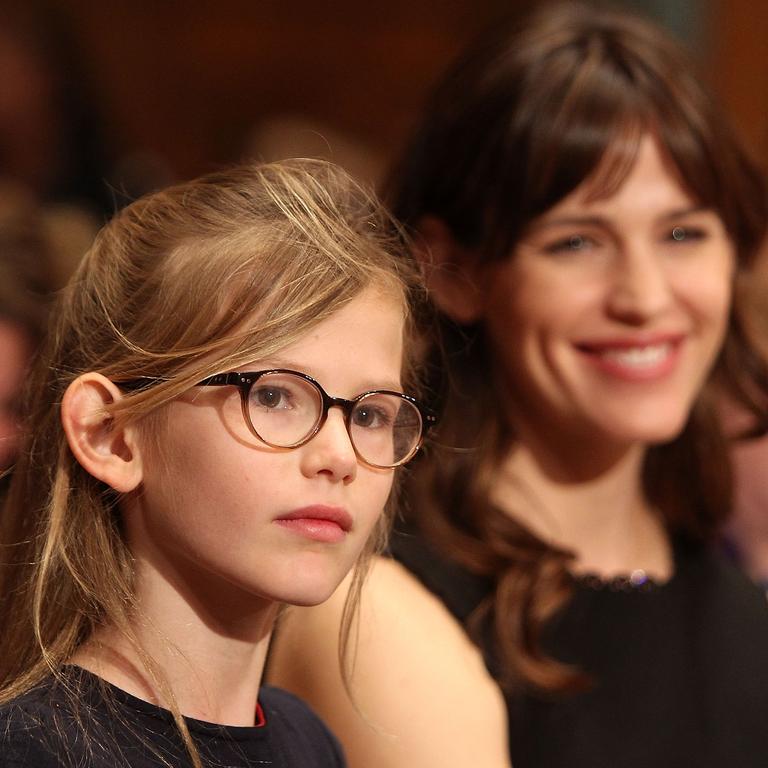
pixel 739 66
pixel 187 80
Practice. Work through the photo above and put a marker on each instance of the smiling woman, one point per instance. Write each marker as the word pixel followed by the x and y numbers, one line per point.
pixel 586 216
pixel 634 316
pixel 184 473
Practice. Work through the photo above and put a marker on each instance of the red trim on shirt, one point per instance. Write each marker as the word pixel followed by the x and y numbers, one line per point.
pixel 260 719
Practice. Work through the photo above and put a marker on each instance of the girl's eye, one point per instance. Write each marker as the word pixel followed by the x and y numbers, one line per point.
pixel 686 234
pixel 571 244
pixel 371 417
pixel 270 397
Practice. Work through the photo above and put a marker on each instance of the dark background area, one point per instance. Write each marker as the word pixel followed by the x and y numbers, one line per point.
pixel 155 90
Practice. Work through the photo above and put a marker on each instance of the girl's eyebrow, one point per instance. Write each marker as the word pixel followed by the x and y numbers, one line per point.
pixel 281 362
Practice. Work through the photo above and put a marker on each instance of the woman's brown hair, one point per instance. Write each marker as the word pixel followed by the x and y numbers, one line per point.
pixel 523 118
pixel 188 282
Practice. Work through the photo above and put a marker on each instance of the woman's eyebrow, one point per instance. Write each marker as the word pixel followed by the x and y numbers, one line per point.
pixel 687 211
pixel 569 221
pixel 603 221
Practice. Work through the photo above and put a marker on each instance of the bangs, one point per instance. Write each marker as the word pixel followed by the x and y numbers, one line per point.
pixel 581 127
pixel 584 126
pixel 530 114
pixel 578 120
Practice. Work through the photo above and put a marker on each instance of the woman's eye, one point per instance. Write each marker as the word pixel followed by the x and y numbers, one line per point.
pixel 571 244
pixel 686 234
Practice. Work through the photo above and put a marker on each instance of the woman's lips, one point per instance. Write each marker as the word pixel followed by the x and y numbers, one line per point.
pixel 318 522
pixel 639 359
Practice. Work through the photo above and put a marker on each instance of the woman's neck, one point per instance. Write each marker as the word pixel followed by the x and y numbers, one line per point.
pixel 588 502
pixel 209 651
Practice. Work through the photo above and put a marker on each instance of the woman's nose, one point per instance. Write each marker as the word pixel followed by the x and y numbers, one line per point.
pixel 639 288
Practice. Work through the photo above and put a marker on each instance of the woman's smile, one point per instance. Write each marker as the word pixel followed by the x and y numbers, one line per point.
pixel 635 359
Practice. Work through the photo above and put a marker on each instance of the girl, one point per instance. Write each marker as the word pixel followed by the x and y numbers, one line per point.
pixel 588 215
pixel 213 432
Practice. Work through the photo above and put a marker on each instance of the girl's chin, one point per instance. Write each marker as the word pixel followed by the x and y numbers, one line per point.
pixel 306 592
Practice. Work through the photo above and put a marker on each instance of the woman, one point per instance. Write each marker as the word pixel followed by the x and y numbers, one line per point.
pixel 185 470
pixel 587 215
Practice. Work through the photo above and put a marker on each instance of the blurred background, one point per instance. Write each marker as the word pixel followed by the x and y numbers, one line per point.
pixel 102 101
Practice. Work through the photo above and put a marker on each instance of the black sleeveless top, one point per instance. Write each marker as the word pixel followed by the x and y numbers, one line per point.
pixel 679 672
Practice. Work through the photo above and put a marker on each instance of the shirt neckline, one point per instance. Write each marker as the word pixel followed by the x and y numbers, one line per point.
pixel 96 686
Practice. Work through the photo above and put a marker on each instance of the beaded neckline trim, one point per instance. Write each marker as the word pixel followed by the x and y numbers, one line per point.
pixel 637 581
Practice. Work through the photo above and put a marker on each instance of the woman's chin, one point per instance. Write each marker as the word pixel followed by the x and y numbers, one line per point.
pixel 648 433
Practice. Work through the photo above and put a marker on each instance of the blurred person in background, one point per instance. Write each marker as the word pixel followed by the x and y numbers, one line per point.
pixel 39 247
pixel 16 348
pixel 555 598
pixel 747 531
pixel 50 133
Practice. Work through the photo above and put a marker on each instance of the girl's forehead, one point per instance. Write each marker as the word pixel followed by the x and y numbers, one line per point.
pixel 377 306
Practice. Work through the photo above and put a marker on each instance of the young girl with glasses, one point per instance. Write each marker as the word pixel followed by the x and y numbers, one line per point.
pixel 590 221
pixel 212 432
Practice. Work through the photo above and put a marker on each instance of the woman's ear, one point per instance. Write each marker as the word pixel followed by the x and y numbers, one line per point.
pixel 453 273
pixel 104 451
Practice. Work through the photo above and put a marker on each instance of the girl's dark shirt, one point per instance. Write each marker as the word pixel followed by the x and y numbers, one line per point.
pixel 679 672
pixel 112 729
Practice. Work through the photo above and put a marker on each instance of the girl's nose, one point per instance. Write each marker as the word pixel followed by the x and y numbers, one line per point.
pixel 330 451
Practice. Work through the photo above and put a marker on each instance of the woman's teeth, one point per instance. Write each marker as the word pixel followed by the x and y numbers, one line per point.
pixel 638 357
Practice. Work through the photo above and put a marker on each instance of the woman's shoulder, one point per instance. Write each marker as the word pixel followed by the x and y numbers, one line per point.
pixel 709 572
pixel 406 646
pixel 732 616
pixel 459 590
pixel 395 604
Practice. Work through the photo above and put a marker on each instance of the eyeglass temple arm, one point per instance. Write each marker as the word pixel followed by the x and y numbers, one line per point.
pixel 223 379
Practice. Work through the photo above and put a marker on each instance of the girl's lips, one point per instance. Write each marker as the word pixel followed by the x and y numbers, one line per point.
pixel 320 523
pixel 637 359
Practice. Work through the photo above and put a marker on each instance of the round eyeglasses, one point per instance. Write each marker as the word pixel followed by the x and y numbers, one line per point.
pixel 286 409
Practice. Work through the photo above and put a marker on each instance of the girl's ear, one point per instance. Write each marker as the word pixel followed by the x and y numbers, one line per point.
pixel 109 454
pixel 453 271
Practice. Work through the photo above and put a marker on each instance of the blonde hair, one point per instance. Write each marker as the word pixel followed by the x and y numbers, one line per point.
pixel 184 283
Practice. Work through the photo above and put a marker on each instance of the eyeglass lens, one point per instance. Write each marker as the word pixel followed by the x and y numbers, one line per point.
pixel 285 409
